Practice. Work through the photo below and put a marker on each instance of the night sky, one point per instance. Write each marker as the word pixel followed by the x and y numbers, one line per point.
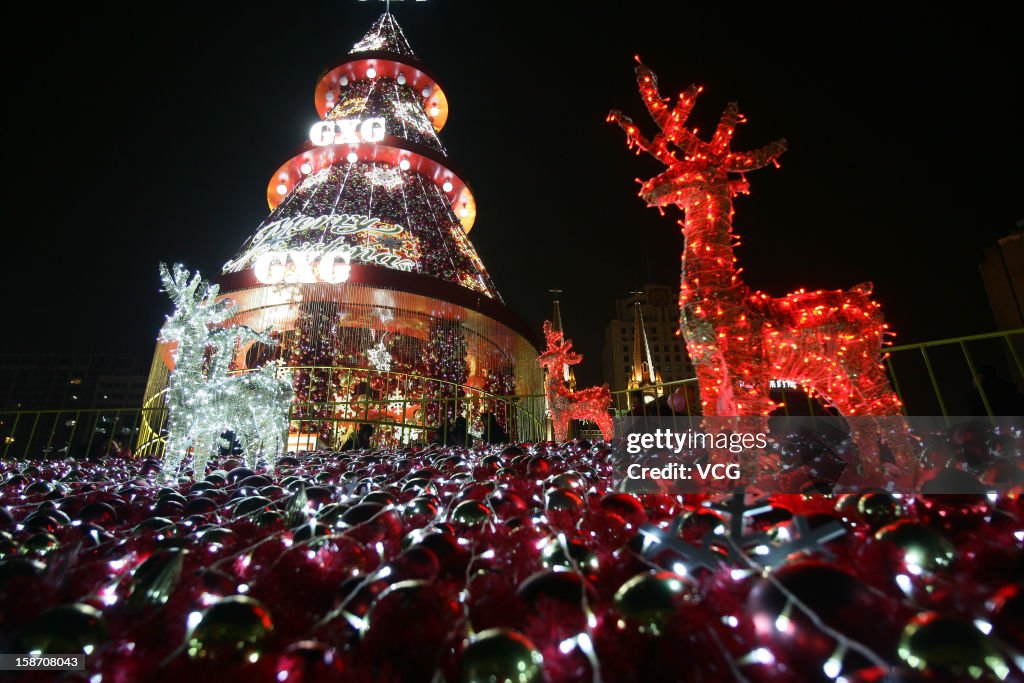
pixel 136 137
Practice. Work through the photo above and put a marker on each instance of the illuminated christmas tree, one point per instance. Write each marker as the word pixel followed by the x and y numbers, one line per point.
pixel 373 185
pixel 316 393
pixel 446 361
pixel 367 239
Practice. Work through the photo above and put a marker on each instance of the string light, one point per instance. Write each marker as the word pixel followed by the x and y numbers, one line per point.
pixel 203 401
pixel 383 213
pixel 830 342
pixel 591 404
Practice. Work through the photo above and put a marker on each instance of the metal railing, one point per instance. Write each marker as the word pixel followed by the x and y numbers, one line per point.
pixel 405 409
pixel 973 375
pixel 980 374
pixel 72 433
pixel 399 408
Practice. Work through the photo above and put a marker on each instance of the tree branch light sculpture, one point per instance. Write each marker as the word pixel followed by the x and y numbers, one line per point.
pixel 828 341
pixel 203 400
pixel 591 404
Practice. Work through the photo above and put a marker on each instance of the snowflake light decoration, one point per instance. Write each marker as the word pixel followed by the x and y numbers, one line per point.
pixel 379 356
pixel 411 114
pixel 388 177
pixel 371 41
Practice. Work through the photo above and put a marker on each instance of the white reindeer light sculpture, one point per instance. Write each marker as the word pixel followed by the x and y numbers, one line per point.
pixel 203 403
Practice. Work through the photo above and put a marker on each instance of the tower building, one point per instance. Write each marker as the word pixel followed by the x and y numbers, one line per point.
pixel 643 375
pixel 556 324
pixel 642 346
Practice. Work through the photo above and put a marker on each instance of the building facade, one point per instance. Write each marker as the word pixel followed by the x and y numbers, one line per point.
pixel 71 381
pixel 663 355
pixel 1002 271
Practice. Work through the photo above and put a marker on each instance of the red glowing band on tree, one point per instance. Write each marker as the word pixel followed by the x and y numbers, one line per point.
pixel 591 404
pixel 828 341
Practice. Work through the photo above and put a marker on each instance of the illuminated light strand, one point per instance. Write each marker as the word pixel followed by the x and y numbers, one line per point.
pixel 830 342
pixel 591 404
pixel 203 401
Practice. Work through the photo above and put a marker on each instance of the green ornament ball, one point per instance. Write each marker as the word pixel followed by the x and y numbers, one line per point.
pixel 65 629
pixel 156 579
pixel 471 513
pixel 879 508
pixel 313 535
pixel 563 500
pixel 492 462
pixel 568 480
pixel 949 648
pixel 380 497
pixel 232 629
pixel 268 518
pixel 501 655
pixel 153 524
pixel 8 546
pixel 650 599
pixel 250 506
pixel 216 534
pixel 41 543
pixel 558 554
pixel 921 547
pixel 423 506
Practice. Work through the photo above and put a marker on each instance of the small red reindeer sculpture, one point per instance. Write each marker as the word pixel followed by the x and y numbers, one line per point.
pixel 738 340
pixel 592 404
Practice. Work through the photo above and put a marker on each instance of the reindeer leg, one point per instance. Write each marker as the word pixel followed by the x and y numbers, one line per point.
pixel 175 450
pixel 866 470
pixel 270 437
pixel 604 423
pixel 256 451
pixel 560 427
pixel 249 441
pixel 878 400
pixel 719 405
pixel 201 446
pixel 172 457
pixel 709 380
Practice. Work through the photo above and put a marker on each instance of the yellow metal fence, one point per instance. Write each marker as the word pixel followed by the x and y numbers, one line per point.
pixel 973 375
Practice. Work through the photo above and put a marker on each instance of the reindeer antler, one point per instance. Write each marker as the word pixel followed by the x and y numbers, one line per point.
pixel 241 335
pixel 177 284
pixel 559 349
pixel 194 298
pixel 672 130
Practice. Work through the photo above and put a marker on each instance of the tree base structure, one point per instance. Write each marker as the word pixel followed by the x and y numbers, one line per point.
pixel 379 352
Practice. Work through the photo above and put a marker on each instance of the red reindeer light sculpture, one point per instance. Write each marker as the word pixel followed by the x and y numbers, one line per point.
pixel 738 340
pixel 592 404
